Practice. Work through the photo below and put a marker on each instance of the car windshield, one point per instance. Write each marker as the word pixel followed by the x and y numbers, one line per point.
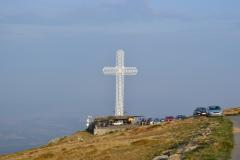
pixel 201 109
pixel 214 108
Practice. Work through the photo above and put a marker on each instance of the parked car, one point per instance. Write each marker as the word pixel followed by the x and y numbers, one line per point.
pixel 180 117
pixel 162 120
pixel 169 118
pixel 149 121
pixel 156 121
pixel 200 111
pixel 214 111
pixel 118 123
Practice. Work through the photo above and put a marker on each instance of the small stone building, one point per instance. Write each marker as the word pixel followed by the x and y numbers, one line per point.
pixel 102 125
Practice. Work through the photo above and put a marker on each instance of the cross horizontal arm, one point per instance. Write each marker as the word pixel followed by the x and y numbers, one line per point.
pixel 130 71
pixel 110 70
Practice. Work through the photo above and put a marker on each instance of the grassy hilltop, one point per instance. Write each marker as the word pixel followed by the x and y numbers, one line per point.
pixel 232 111
pixel 193 138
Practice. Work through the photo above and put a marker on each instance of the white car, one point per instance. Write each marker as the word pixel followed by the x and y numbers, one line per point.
pixel 118 123
pixel 214 111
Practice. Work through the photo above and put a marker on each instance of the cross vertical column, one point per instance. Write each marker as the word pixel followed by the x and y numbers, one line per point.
pixel 119 83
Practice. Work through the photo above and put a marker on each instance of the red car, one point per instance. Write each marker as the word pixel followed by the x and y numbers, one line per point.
pixel 169 118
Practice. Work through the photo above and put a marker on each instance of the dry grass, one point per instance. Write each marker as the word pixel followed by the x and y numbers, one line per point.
pixel 141 143
pixel 219 143
pixel 232 111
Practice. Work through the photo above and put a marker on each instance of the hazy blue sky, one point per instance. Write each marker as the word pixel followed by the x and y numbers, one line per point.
pixel 52 54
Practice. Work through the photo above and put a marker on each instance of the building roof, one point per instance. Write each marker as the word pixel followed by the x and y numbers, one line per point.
pixel 105 118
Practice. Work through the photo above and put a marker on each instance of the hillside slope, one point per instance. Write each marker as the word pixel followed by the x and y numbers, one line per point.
pixel 231 111
pixel 201 138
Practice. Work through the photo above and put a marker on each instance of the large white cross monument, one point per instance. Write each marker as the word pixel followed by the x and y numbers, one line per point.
pixel 120 71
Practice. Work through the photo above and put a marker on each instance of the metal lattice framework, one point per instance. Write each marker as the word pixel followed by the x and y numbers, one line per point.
pixel 120 71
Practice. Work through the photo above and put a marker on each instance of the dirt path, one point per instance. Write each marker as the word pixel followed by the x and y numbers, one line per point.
pixel 236 132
